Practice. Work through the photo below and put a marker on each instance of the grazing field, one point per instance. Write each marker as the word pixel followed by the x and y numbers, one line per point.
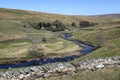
pixel 19 48
pixel 102 74
pixel 109 40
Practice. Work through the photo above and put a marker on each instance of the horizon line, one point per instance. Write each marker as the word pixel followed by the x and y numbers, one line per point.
pixel 59 13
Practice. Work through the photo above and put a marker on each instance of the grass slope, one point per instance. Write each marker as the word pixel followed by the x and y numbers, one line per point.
pixel 110 44
pixel 103 74
pixel 11 22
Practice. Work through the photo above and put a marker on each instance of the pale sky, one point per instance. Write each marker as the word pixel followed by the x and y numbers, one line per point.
pixel 69 7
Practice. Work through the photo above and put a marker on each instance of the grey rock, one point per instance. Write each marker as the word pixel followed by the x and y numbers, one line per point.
pixel 46 68
pixel 39 73
pixel 35 69
pixel 84 63
pixel 4 75
pixel 46 75
pixel 56 69
pixel 27 70
pixel 100 59
pixel 9 74
pixel 22 71
pixel 14 78
pixel 21 76
pixel 116 58
pixel 1 74
pixel 76 64
pixel 99 66
pixel 16 73
pixel 40 68
pixel 61 66
pixel 27 76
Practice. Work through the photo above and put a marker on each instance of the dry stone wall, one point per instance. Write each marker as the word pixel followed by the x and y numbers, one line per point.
pixel 55 69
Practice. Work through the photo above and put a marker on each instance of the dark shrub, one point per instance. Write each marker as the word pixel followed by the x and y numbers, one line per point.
pixel 84 24
pixel 73 24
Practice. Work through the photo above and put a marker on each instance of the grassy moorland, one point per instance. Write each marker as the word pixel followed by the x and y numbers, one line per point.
pixel 108 39
pixel 101 74
pixel 17 42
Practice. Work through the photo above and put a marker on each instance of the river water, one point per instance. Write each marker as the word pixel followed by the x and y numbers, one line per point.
pixel 86 49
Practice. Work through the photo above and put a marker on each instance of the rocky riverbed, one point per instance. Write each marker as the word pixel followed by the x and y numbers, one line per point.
pixel 55 69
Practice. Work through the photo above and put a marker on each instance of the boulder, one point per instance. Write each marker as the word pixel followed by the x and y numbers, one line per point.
pixel 27 70
pixel 46 75
pixel 27 76
pixel 22 71
pixel 21 76
pixel 16 73
pixel 35 69
pixel 1 74
pixel 99 66
pixel 39 73
pixel 8 74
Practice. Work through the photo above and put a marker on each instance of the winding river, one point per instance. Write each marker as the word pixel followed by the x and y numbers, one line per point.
pixel 87 48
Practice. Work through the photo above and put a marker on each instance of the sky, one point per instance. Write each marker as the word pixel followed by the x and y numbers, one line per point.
pixel 67 7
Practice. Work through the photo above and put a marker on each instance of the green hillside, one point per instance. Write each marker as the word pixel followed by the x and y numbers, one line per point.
pixel 21 42
pixel 17 41
pixel 101 74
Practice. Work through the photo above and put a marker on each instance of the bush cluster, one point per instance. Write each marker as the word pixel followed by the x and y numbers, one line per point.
pixel 54 26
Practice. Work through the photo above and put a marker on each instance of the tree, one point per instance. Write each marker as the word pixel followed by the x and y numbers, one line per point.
pixel 40 25
pixel 87 24
pixel 84 24
pixel 35 51
pixel 34 47
pixel 48 26
pixel 59 25
pixel 55 26
pixel 35 25
pixel 93 23
pixel 73 24
pixel 100 39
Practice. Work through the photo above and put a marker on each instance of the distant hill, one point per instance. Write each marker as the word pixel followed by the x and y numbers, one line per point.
pixel 110 16
pixel 24 15
pixel 32 16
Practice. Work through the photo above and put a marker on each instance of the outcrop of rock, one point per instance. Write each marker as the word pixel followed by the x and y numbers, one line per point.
pixel 55 69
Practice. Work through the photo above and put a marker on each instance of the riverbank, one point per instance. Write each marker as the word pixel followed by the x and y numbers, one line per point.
pixel 109 40
pixel 87 48
pixel 56 69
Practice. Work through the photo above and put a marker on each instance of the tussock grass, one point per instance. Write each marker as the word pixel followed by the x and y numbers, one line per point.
pixel 110 46
pixel 101 74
